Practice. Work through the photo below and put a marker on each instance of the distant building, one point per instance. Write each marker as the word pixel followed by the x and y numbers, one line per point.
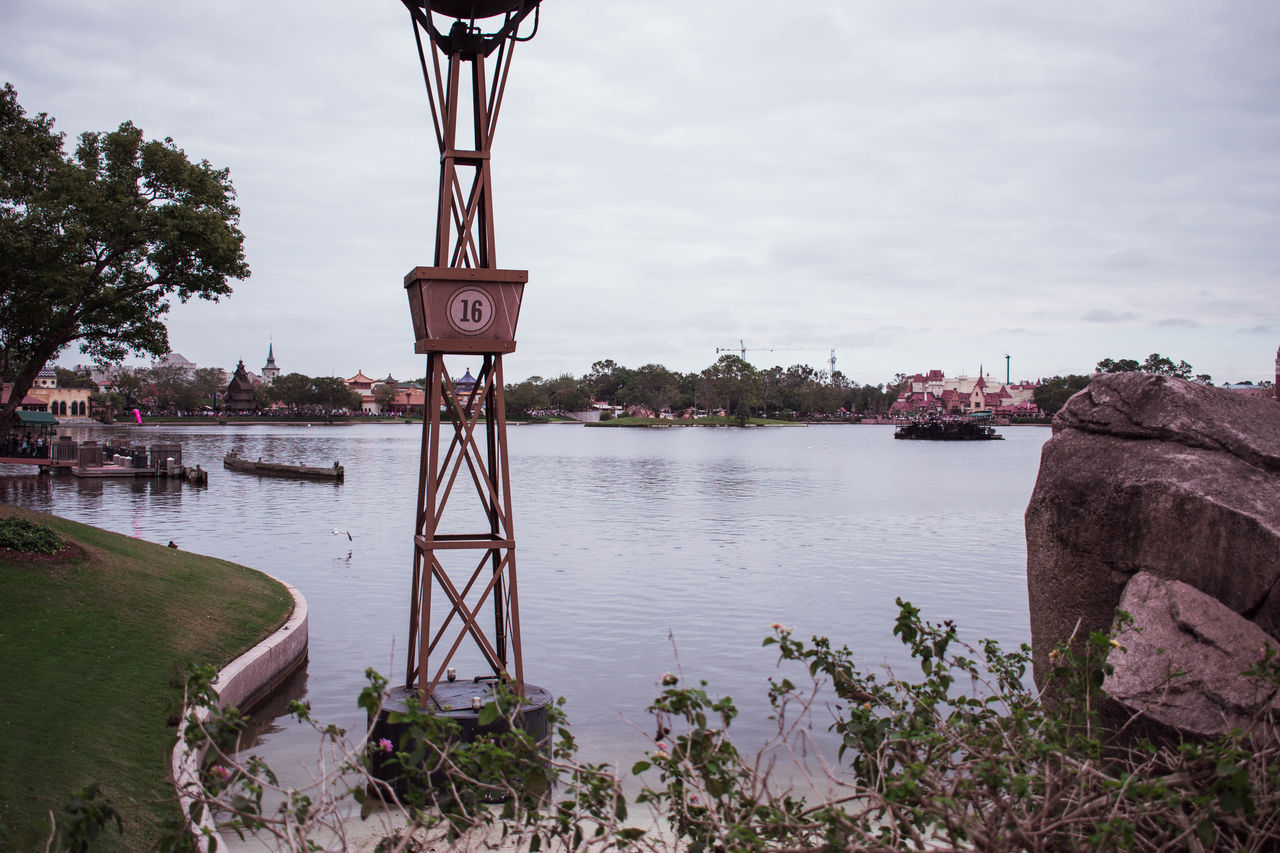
pixel 464 389
pixel 363 385
pixel 174 359
pixel 30 403
pixel 409 400
pixel 933 393
pixel 68 403
pixel 269 370
pixel 240 396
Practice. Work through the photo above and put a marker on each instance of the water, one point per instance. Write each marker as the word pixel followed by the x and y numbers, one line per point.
pixel 639 551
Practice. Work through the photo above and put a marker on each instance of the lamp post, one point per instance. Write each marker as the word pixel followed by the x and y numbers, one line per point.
pixel 464 593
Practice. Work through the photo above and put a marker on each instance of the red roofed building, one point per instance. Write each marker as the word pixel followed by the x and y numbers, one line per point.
pixel 933 393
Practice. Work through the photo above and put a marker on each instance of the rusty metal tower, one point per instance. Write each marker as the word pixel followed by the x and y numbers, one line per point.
pixel 465 592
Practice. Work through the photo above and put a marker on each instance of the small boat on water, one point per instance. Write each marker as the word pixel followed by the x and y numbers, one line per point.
pixel 234 462
pixel 948 429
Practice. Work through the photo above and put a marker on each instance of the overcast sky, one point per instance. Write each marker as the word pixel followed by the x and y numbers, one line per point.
pixel 915 184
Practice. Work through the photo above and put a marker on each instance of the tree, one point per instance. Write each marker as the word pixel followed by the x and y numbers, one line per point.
pixel 651 386
pixel 730 382
pixel 1154 363
pixel 606 379
pixel 384 395
pixel 567 394
pixel 527 397
pixel 292 389
pixel 170 387
pixel 1052 394
pixel 332 393
pixel 94 246
pixel 74 379
pixel 208 383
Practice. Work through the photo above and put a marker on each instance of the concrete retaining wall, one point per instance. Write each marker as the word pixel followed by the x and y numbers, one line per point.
pixel 245 681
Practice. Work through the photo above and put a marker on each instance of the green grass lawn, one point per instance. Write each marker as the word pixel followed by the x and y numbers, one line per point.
pixel 92 653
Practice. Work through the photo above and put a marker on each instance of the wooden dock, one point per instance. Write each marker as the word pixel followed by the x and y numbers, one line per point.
pixel 90 460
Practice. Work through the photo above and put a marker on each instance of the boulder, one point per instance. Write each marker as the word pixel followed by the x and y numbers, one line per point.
pixel 1148 473
pixel 1181 660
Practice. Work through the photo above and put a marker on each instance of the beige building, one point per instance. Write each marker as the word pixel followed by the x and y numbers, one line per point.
pixel 65 404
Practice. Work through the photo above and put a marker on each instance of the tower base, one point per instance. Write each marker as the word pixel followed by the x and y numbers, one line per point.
pixel 454 701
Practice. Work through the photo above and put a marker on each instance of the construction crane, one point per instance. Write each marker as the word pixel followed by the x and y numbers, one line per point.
pixel 742 349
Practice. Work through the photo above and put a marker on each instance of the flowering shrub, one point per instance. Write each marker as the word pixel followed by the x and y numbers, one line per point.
pixel 962 754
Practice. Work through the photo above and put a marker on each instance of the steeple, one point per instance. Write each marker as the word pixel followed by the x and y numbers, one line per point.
pixel 270 371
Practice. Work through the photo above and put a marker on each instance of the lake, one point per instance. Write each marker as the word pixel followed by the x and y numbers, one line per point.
pixel 640 551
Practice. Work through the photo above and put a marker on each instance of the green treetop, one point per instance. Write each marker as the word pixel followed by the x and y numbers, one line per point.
pixel 93 246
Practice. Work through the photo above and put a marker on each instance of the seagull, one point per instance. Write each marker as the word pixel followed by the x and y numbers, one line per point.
pixel 337 532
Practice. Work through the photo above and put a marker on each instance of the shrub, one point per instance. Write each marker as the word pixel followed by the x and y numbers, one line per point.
pixel 18 534
pixel 962 755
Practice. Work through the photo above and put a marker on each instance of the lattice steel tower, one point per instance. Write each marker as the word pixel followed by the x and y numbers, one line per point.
pixel 464 549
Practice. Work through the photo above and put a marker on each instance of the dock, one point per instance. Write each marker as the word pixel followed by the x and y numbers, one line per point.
pixel 89 459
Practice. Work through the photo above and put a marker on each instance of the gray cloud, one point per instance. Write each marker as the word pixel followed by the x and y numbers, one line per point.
pixel 1102 315
pixel 933 177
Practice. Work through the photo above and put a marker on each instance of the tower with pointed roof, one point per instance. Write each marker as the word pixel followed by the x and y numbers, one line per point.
pixel 239 395
pixel 269 370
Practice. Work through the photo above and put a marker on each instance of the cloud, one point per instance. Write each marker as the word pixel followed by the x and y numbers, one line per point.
pixel 672 177
pixel 1102 315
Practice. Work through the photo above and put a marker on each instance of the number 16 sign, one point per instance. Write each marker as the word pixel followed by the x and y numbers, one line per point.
pixel 465 310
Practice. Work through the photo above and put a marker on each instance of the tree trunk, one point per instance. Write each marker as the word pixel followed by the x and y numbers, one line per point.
pixel 22 383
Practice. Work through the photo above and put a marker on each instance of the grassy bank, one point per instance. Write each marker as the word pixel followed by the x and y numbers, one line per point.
pixel 93 645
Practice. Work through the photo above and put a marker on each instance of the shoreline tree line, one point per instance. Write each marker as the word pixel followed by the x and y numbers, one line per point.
pixel 729 385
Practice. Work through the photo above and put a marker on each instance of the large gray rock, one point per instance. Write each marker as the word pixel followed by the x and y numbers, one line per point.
pixel 1156 474
pixel 1181 660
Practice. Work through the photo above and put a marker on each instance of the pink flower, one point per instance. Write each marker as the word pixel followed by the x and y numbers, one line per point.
pixel 385 745
pixel 220 772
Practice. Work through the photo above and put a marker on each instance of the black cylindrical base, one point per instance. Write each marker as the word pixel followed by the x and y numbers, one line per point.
pixel 460 702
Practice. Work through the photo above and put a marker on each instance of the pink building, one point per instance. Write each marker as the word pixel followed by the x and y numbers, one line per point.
pixel 933 393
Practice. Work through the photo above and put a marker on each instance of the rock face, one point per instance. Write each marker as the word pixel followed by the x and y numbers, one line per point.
pixel 1153 474
pixel 1182 658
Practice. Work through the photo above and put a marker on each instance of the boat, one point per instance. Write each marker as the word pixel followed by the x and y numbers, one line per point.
pixel 234 462
pixel 948 429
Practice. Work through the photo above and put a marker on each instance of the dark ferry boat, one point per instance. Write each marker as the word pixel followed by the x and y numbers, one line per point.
pixel 977 427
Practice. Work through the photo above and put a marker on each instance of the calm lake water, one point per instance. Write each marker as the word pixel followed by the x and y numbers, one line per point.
pixel 639 551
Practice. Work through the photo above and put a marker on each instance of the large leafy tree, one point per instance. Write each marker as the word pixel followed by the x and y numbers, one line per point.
pixel 332 393
pixel 93 246
pixel 1052 394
